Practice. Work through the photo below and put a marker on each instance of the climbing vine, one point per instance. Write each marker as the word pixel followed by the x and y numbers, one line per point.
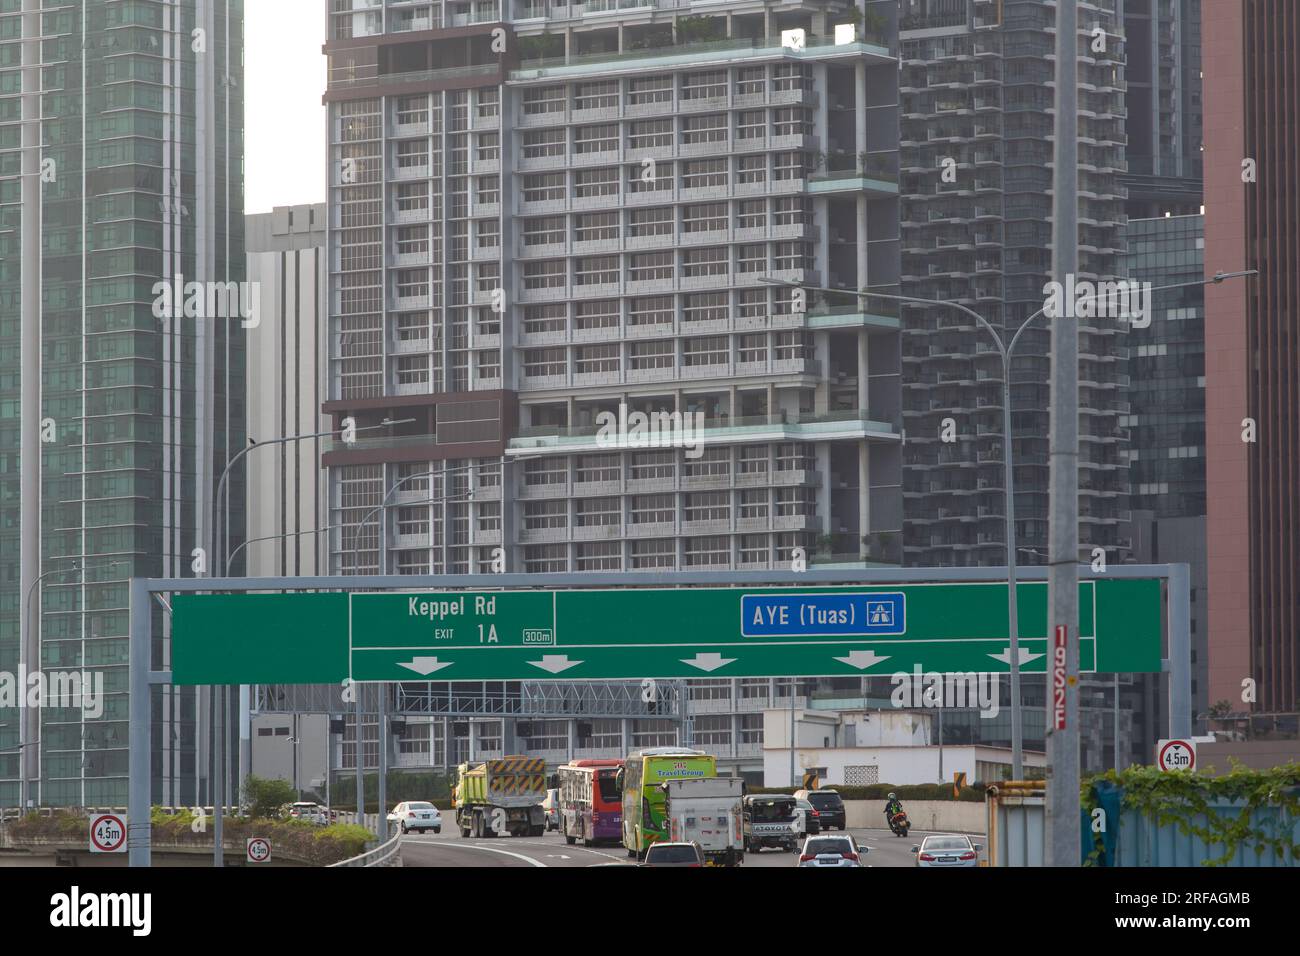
pixel 1196 804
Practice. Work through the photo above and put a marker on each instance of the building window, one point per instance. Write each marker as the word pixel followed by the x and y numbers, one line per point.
pixel 489 147
pixel 596 270
pixel 707 506
pixel 698 263
pixel 596 227
pixel 589 183
pixel 651 509
pixel 595 96
pixel 412 197
pixel 657 310
pixel 705 350
pixel 704 86
pixel 703 173
pixel 545 187
pixel 544 515
pixel 650 134
pixel 596 139
pixel 753 550
pixel 704 129
pixel 650 267
pixel 705 307
pixel 540 143
pixel 546 471
pixel 751 169
pixel 544 275
pixel 751 124
pixel 544 99
pixel 598 468
pixel 546 558
pixel 600 314
pixel 713 730
pixel 655 89
pixel 598 512
pixel 653 466
pixel 544 232
pixel 544 362
pixel 488 191
pixel 648 355
pixel 712 551
pixel 705 217
pixel 661 179
pixel 650 222
pixel 656 553
pixel 595 358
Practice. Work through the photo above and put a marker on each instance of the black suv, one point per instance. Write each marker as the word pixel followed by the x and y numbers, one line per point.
pixel 829 807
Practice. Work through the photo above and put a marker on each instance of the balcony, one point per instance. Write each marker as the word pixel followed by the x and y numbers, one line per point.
pixel 736 50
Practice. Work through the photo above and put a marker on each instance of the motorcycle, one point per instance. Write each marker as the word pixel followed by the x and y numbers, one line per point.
pixel 899 824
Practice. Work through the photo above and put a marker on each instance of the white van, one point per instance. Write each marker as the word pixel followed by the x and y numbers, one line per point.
pixel 708 811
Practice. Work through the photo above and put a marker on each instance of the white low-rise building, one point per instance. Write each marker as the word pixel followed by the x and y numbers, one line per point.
pixel 860 748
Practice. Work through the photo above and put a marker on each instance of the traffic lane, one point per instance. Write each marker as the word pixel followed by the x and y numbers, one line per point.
pixel 883 849
pixel 450 849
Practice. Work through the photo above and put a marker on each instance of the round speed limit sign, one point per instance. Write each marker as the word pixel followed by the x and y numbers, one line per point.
pixel 259 850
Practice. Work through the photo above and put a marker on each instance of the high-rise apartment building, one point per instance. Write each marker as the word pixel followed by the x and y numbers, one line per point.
pixel 1252 135
pixel 121 148
pixel 976 176
pixel 1162 70
pixel 540 214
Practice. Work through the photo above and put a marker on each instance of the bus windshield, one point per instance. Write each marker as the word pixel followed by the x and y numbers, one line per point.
pixel 607 786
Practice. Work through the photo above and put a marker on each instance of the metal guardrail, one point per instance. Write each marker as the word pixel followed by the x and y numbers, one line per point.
pixel 381 855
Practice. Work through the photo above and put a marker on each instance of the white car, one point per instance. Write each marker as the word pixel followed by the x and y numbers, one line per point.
pixel 308 812
pixel 418 815
pixel 837 851
pixel 947 850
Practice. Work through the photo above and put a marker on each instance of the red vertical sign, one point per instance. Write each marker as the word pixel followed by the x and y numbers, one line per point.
pixel 1058 679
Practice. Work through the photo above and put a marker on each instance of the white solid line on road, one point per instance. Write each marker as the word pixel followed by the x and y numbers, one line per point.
pixel 582 849
pixel 474 846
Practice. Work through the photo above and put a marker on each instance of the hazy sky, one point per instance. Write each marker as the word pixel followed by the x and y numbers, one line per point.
pixel 284 77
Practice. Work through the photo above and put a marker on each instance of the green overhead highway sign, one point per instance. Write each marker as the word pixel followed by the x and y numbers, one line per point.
pixel 613 633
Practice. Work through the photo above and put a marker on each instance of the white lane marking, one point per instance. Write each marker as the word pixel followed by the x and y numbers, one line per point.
pixel 582 849
pixel 474 846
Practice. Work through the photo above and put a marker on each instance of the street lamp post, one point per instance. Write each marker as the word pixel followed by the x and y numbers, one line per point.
pixel 271 537
pixel 219 542
pixel 1006 352
pixel 382 784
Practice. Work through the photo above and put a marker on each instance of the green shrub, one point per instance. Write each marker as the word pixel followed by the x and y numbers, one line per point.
pixel 265 798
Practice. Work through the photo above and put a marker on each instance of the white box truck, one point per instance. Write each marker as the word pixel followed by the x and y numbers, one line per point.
pixel 708 811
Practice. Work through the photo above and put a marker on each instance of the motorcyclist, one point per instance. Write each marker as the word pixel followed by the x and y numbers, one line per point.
pixel 892 807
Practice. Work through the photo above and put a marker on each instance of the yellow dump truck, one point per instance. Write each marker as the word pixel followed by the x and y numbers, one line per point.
pixel 496 797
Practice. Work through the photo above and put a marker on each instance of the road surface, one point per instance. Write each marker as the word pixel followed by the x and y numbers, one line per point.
pixel 448 849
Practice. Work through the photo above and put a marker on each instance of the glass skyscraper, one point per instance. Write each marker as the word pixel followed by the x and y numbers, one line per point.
pixel 120 167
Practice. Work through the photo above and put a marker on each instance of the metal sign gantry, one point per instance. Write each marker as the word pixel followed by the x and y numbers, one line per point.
pixel 144 675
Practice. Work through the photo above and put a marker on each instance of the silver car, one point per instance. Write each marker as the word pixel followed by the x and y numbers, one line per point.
pixel 947 850
pixel 839 851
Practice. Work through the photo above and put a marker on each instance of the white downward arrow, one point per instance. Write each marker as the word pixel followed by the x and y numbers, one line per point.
pixel 862 659
pixel 1025 656
pixel 424 665
pixel 708 662
pixel 555 663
